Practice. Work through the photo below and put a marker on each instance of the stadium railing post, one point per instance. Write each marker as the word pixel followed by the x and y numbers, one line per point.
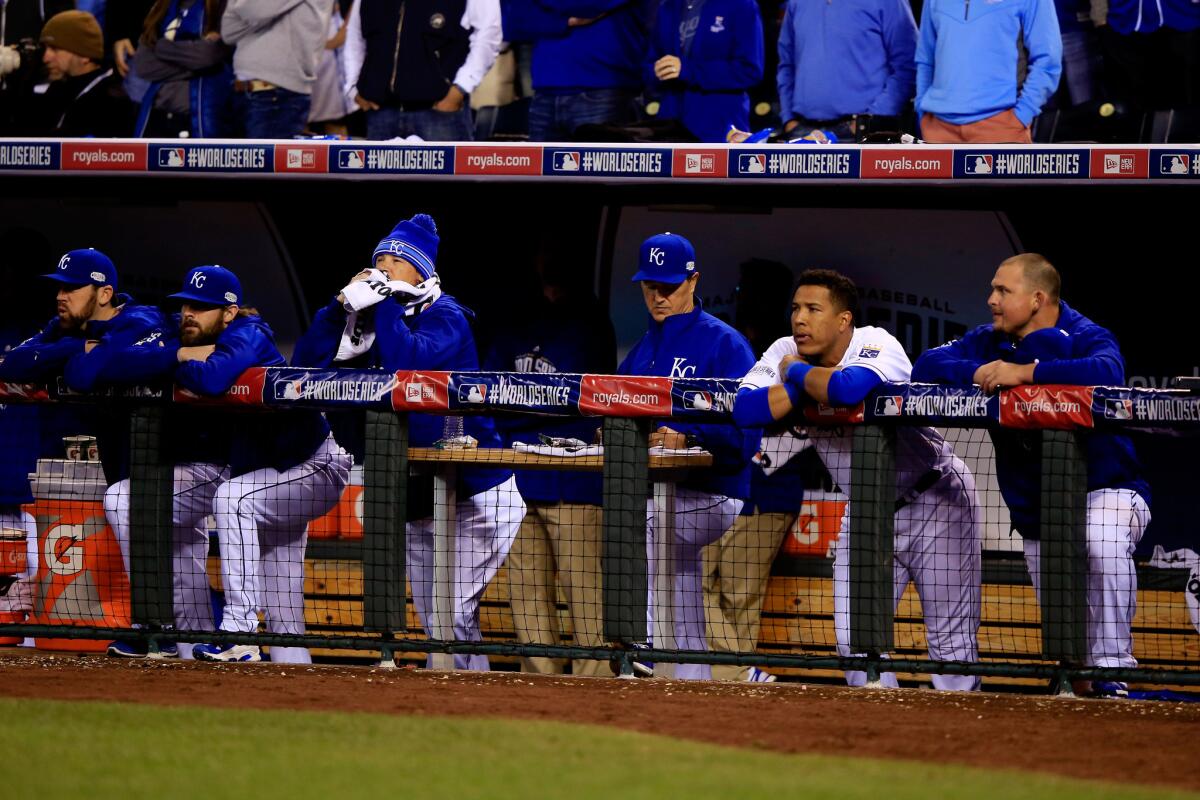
pixel 385 500
pixel 626 485
pixel 1064 547
pixel 151 530
pixel 872 518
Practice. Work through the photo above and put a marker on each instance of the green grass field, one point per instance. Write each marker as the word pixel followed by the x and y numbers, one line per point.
pixel 57 749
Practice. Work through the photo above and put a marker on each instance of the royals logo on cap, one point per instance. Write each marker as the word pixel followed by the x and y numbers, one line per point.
pixel 211 285
pixel 666 258
pixel 84 267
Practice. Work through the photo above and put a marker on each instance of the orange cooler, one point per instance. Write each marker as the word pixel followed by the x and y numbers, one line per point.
pixel 817 526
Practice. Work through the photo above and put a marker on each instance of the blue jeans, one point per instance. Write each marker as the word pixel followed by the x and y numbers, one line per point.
pixel 432 126
pixel 274 113
pixel 554 118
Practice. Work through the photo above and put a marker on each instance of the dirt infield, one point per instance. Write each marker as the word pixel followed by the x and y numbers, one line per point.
pixel 1126 741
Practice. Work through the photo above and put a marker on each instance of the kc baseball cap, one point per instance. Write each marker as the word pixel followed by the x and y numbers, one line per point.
pixel 666 258
pixel 83 267
pixel 211 285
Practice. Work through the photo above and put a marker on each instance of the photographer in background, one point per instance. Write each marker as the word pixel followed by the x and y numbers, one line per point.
pixel 85 98
pixel 21 24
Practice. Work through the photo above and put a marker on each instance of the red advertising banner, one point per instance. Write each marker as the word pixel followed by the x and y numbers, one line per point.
pixel 301 158
pixel 104 156
pixel 915 162
pixel 247 390
pixel 487 160
pixel 421 391
pixel 700 163
pixel 1130 163
pixel 609 395
pixel 1046 407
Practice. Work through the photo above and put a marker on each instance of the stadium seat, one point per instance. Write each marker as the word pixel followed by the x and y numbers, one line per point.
pixel 506 123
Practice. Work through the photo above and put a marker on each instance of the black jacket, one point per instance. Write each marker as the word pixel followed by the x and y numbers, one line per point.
pixel 93 104
pixel 414 49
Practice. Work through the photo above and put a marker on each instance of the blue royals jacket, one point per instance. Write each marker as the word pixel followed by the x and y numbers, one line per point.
pixel 724 63
pixel 1077 352
pixel 438 338
pixel 698 345
pixel 279 440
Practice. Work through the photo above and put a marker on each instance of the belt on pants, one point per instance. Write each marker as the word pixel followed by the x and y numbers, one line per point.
pixel 253 86
pixel 922 484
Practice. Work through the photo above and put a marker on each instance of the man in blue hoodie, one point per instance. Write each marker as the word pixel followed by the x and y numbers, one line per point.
pixel 682 340
pixel 840 59
pixel 395 316
pixel 967 59
pixel 587 61
pixel 704 57
pixel 1035 337
pixel 285 469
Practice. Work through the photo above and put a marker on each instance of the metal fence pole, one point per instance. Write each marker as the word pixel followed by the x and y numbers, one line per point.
pixel 385 499
pixel 151 531
pixel 1064 547
pixel 872 522
pixel 626 485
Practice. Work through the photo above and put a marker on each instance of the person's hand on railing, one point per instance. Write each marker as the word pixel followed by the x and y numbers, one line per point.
pixel 996 374
pixel 196 353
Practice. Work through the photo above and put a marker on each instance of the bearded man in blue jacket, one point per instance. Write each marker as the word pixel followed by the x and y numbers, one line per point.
pixel 704 57
pixel 684 341
pixel 1036 338
pixel 395 316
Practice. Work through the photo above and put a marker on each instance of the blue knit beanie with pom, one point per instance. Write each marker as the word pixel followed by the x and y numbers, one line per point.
pixel 416 241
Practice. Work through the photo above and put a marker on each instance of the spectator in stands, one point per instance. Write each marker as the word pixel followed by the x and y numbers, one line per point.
pixel 587 61
pixel 188 66
pixel 329 102
pixel 1152 52
pixel 414 79
pixel 839 60
pixel 566 330
pixel 123 26
pixel 1077 20
pixel 85 98
pixel 967 69
pixel 278 46
pixel 21 23
pixel 704 57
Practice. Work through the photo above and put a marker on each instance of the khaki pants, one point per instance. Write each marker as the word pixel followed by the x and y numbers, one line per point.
pixel 562 539
pixel 736 569
pixel 1002 128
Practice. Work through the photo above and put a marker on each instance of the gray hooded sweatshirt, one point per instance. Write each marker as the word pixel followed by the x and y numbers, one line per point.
pixel 279 41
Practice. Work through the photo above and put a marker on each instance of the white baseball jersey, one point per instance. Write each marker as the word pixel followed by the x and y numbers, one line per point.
pixel 918 449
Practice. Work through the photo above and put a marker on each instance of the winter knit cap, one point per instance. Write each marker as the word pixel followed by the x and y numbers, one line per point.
pixel 76 32
pixel 416 241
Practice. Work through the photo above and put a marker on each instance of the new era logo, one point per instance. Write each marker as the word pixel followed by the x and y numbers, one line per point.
pixel 352 159
pixel 978 164
pixel 419 393
pixel 566 161
pixel 301 158
pixel 1119 164
pixel 170 157
pixel 700 164
pixel 472 393
pixel 752 163
pixel 889 406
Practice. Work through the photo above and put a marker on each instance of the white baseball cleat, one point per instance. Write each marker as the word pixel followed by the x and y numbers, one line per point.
pixel 756 675
pixel 227 652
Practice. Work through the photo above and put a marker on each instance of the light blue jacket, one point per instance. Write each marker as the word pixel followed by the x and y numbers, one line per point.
pixel 967 58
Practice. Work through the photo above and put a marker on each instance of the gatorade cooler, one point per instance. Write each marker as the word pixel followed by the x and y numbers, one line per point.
pixel 817 525
pixel 345 519
pixel 81 578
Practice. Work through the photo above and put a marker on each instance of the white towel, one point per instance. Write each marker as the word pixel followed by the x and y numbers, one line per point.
pixel 360 297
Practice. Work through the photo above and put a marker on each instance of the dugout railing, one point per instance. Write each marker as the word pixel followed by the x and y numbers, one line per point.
pixel 381 403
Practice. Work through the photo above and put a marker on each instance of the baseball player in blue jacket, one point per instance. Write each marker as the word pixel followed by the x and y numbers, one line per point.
pixel 684 341
pixel 285 469
pixel 395 316
pixel 704 58
pixel 1035 337
pixel 828 359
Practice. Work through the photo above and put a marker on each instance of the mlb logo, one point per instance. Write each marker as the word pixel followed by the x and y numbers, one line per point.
pixel 472 393
pixel 289 390
pixel 566 161
pixel 419 393
pixel 170 157
pixel 1118 164
pixel 301 158
pixel 352 159
pixel 752 163
pixel 890 406
pixel 699 164
pixel 1175 164
pixel 869 351
pixel 1118 409
pixel 698 401
pixel 980 164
